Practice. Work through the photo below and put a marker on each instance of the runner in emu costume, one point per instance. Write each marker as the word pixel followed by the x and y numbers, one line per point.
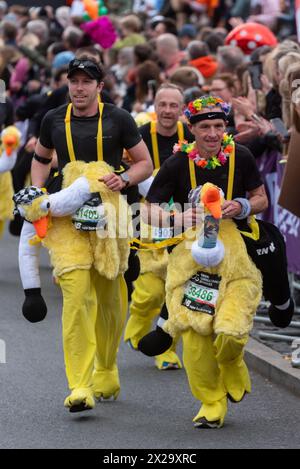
pixel 182 276
pixel 212 292
pixel 148 296
pixel 10 142
pixel 88 252
pixel 105 251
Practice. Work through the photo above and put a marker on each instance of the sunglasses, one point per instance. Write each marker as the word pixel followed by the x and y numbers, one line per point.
pixel 75 63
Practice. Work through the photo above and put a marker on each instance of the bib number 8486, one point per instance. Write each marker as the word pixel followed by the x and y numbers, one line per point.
pixel 200 293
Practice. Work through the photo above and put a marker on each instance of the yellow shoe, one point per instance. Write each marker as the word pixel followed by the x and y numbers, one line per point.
pixel 211 415
pixel 236 380
pixel 168 361
pixel 79 400
pixel 106 384
pixel 234 372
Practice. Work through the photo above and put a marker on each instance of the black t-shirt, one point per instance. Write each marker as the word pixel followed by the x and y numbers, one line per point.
pixel 6 114
pixel 119 131
pixel 173 178
pixel 53 100
pixel 165 144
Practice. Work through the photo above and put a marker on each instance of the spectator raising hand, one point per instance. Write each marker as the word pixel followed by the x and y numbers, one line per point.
pixel 243 106
pixel 248 130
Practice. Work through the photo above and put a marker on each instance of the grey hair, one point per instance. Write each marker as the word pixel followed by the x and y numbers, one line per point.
pixel 231 57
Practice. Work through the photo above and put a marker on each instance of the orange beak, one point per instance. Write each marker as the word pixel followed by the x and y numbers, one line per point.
pixel 212 201
pixel 41 227
pixel 9 142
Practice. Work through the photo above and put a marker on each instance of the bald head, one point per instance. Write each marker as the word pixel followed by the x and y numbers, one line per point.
pixel 167 48
pixel 168 89
pixel 169 42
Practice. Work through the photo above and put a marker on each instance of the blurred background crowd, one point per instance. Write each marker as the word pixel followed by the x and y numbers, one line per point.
pixel 203 46
pixel 181 41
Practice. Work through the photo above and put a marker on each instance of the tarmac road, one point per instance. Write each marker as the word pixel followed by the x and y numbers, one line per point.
pixel 154 410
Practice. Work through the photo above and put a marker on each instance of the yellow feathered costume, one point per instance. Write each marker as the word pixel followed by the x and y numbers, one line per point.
pixel 10 142
pixel 228 293
pixel 148 298
pixel 71 249
pixel 6 195
pixel 239 289
pixel 154 261
pixel 212 292
pixel 89 266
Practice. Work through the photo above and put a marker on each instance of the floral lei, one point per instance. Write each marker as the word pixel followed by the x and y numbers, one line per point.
pixel 190 149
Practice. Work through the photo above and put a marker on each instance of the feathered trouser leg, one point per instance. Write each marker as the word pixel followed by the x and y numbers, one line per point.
pixel 94 312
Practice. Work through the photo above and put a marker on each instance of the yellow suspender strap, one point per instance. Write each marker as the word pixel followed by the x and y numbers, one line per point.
pixel 100 134
pixel 69 133
pixel 230 174
pixel 180 130
pixel 192 174
pixel 154 145
pixel 155 246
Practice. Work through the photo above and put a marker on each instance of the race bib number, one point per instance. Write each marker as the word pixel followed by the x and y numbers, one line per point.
pixel 160 234
pixel 91 216
pixel 201 293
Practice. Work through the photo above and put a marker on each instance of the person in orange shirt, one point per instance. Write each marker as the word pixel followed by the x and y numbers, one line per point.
pixel 209 5
pixel 199 57
pixel 199 6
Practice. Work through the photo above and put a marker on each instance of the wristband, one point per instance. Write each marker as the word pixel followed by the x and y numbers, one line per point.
pixel 246 208
pixel 177 230
pixel 42 160
pixel 32 292
pixel 172 220
pixel 256 118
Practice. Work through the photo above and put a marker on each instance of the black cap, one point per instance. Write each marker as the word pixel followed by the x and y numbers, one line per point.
pixel 92 69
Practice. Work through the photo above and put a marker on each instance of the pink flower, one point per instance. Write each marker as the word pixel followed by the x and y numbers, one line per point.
pixel 176 148
pixel 193 154
pixel 222 158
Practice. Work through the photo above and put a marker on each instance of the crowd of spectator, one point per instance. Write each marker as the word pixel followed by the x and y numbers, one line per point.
pixel 179 41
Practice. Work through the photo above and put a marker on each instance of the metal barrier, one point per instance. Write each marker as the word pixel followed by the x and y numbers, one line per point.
pixel 257 319
pixel 285 338
pixel 292 334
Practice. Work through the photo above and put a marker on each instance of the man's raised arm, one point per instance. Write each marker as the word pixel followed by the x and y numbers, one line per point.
pixel 41 165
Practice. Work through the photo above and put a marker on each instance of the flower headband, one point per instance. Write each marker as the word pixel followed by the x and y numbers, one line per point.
pixel 206 102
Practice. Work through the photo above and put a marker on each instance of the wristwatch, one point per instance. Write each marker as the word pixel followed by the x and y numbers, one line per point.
pixel 125 178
